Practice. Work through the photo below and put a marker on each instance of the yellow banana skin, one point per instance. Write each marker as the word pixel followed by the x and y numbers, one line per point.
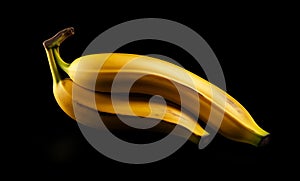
pixel 163 78
pixel 139 106
pixel 63 95
pixel 158 77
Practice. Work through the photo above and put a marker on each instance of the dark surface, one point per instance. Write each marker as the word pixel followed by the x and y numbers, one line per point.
pixel 50 144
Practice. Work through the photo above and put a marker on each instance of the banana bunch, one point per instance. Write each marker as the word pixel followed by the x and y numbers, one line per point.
pixel 106 76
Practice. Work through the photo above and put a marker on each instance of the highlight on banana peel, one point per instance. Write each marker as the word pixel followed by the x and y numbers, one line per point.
pixel 152 77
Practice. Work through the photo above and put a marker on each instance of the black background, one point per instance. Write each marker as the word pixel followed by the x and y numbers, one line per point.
pixel 247 40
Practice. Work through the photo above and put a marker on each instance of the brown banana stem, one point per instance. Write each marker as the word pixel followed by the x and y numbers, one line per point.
pixel 58 38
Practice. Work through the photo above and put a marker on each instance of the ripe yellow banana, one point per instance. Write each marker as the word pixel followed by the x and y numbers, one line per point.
pixel 138 105
pixel 153 76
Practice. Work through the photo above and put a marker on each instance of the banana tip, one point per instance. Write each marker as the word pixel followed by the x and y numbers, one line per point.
pixel 264 141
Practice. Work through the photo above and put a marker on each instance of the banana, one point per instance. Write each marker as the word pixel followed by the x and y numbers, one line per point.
pixel 112 72
pixel 138 106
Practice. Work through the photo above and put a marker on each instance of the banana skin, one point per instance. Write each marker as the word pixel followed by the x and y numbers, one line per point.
pixel 111 72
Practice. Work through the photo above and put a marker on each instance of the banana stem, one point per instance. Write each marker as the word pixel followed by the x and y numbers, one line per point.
pixel 52 46
pixel 55 74
pixel 62 64
pixel 58 38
